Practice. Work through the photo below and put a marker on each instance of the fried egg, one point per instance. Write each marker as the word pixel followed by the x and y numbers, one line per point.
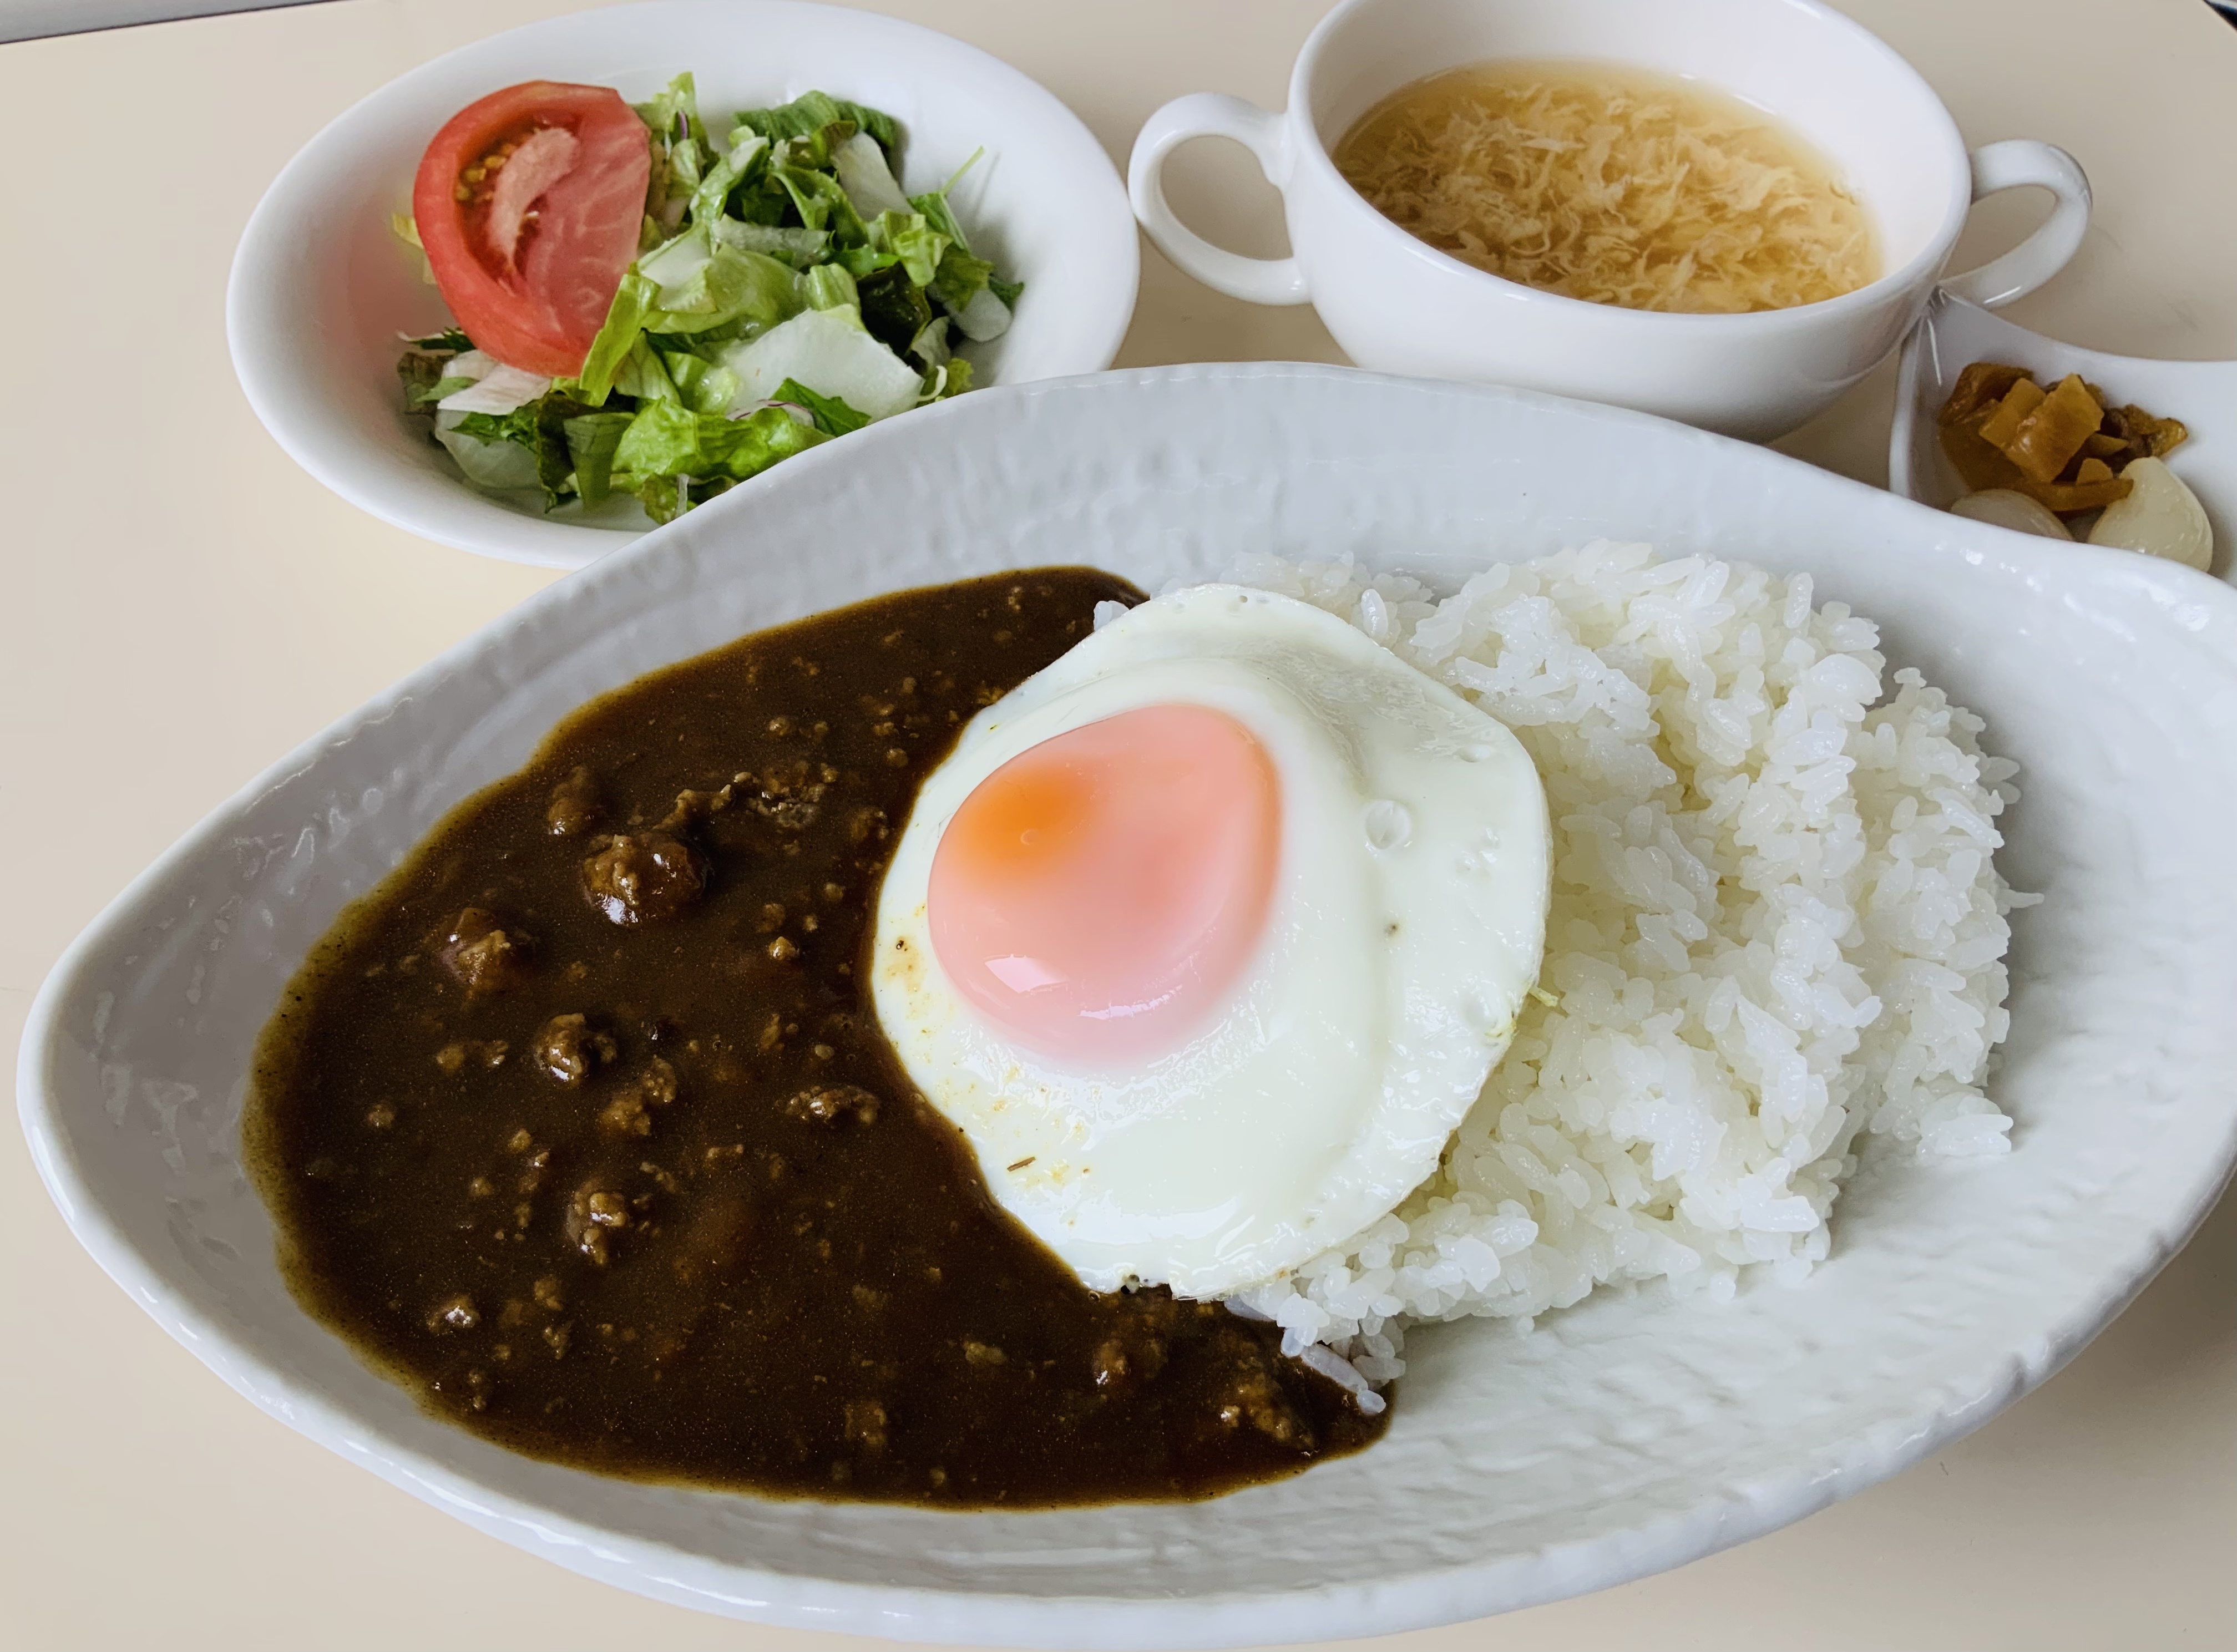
pixel 1208 935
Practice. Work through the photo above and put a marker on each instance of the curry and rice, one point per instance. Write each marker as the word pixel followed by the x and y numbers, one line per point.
pixel 1013 1044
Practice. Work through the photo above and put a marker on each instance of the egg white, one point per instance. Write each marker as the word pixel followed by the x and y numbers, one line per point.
pixel 1406 924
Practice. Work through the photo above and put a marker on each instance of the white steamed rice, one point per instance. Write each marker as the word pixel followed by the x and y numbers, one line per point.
pixel 1776 926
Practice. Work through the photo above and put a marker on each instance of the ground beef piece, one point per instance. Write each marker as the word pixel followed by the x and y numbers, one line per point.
pixel 594 1214
pixel 1135 1351
pixel 643 878
pixel 629 1113
pixel 575 807
pixel 478 1052
pixel 625 1116
pixel 483 956
pixel 1250 1396
pixel 830 1103
pixel 570 1049
pixel 454 1313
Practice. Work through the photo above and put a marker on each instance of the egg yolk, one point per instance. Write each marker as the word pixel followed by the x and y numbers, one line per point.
pixel 1096 896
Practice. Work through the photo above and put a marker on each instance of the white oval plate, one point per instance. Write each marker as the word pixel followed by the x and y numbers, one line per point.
pixel 1954 334
pixel 321 288
pixel 1626 1434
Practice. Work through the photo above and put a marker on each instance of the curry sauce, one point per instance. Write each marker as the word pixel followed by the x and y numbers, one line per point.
pixel 580 1125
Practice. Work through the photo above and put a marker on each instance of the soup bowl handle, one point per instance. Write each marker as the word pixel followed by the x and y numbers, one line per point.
pixel 1212 114
pixel 2009 165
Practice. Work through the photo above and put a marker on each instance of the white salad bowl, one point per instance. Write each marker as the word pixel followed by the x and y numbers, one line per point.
pixel 1632 1432
pixel 1954 334
pixel 322 291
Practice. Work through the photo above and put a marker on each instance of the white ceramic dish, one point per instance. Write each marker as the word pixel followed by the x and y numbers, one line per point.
pixel 1954 333
pixel 320 287
pixel 1397 304
pixel 1625 1435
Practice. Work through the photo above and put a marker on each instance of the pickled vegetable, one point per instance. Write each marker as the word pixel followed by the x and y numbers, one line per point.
pixel 2160 517
pixel 2066 448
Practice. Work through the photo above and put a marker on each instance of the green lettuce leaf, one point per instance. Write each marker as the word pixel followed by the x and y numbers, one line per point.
pixel 405 230
pixel 910 238
pixel 951 377
pixel 517 426
pixel 894 308
pixel 961 275
pixel 959 279
pixel 680 97
pixel 933 205
pixel 713 192
pixel 863 260
pixel 624 325
pixel 803 248
pixel 539 427
pixel 496 466
pixel 667 439
pixel 821 201
pixel 930 347
pixel 643 375
pixel 829 286
pixel 811 112
pixel 591 439
pixel 833 415
pixel 700 385
pixel 418 396
pixel 705 283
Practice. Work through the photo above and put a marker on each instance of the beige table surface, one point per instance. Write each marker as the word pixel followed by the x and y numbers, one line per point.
pixel 179 605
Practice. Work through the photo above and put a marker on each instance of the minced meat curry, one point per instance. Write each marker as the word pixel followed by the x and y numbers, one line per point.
pixel 581 1127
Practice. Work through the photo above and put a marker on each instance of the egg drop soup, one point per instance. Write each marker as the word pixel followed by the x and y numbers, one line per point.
pixel 1613 185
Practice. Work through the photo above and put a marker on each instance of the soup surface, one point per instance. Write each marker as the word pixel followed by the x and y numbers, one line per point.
pixel 1612 184
pixel 580 1126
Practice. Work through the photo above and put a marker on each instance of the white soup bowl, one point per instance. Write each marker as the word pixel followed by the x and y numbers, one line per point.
pixel 1398 305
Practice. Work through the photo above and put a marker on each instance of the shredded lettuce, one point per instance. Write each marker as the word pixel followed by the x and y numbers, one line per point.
pixel 591 439
pixel 894 307
pixel 668 439
pixel 679 100
pixel 930 346
pixel 829 286
pixel 705 284
pixel 700 385
pixel 803 248
pixel 624 325
pixel 812 112
pixel 833 415
pixel 787 291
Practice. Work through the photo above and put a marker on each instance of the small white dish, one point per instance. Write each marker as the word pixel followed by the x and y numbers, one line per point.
pixel 1628 1434
pixel 1954 334
pixel 1398 305
pixel 321 289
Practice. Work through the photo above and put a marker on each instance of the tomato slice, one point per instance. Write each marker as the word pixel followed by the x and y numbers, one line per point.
pixel 529 203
